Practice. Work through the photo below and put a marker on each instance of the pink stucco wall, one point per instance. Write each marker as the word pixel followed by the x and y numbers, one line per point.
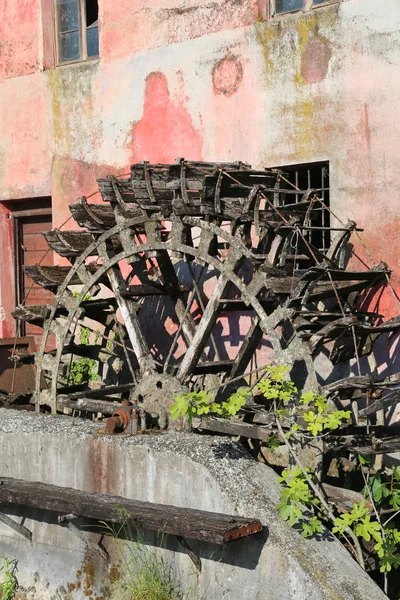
pixel 207 81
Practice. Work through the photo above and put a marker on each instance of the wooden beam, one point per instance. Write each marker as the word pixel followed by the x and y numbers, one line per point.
pixel 207 526
pixel 230 427
pixel 154 289
pixel 105 407
pixel 382 403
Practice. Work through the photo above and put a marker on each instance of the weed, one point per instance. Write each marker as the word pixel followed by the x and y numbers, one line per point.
pixel 9 584
pixel 143 573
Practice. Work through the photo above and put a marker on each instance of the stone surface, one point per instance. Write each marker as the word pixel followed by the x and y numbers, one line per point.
pixel 189 470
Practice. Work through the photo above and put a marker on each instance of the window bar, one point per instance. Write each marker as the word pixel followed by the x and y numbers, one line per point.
pixel 82 15
pixel 309 220
pixel 324 235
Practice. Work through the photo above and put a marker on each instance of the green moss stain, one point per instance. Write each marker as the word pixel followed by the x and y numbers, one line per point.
pixel 283 42
pixel 72 103
pixel 306 27
pixel 55 88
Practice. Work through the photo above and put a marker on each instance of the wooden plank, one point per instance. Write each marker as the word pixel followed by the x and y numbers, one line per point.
pixel 239 305
pixel 363 382
pixel 325 290
pixel 230 427
pixel 211 527
pixel 348 383
pixel 385 402
pixel 107 390
pixel 105 407
pixel 216 366
pixel 338 275
pixel 155 289
pixel 21 529
pixel 343 498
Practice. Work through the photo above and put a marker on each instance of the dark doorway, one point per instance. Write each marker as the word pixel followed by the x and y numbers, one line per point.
pixel 30 219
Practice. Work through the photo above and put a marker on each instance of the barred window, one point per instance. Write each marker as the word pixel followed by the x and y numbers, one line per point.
pixel 298 179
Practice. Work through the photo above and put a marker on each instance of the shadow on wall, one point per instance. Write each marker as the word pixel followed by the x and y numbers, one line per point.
pixel 244 553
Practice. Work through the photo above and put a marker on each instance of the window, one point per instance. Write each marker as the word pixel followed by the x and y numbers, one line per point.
pixel 298 179
pixel 77 30
pixel 285 6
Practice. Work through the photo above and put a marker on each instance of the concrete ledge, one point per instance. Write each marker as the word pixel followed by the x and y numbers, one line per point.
pixel 201 472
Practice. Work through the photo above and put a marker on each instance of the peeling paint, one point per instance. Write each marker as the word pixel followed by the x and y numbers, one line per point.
pixel 165 130
pixel 315 59
pixel 227 75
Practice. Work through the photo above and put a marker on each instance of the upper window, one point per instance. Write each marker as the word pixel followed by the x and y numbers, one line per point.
pixel 285 6
pixel 77 30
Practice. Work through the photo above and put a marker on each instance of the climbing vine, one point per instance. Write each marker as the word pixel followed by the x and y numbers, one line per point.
pixel 308 417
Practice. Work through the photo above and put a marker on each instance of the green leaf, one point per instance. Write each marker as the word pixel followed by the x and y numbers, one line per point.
pixel 359 511
pixel 180 407
pixel 273 442
pixel 342 523
pixel 307 397
pixel 379 490
pixel 367 529
pixel 309 528
pixel 335 419
pixel 363 460
pixel 290 513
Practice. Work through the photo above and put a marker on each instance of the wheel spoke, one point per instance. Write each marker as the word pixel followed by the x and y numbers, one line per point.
pixel 206 325
pixel 247 349
pixel 128 312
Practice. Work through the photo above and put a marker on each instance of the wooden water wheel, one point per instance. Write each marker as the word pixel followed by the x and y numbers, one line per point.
pixel 195 275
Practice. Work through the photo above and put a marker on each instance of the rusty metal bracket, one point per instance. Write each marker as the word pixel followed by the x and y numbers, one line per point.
pixel 190 552
pixel 243 531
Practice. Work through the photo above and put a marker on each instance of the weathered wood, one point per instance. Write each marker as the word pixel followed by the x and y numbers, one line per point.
pixel 132 291
pixel 331 330
pixel 339 275
pixel 326 290
pixel 198 524
pixel 52 277
pixel 230 427
pixel 247 349
pixel 96 218
pixel 368 445
pixel 87 404
pixel 96 309
pixel 205 327
pixel 238 305
pixel 343 498
pixel 108 390
pixel 21 529
pixel 385 402
pixel 213 366
pixel 128 312
pixel 73 243
pixel 348 383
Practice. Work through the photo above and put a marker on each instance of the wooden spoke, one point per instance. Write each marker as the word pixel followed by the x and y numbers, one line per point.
pixel 129 315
